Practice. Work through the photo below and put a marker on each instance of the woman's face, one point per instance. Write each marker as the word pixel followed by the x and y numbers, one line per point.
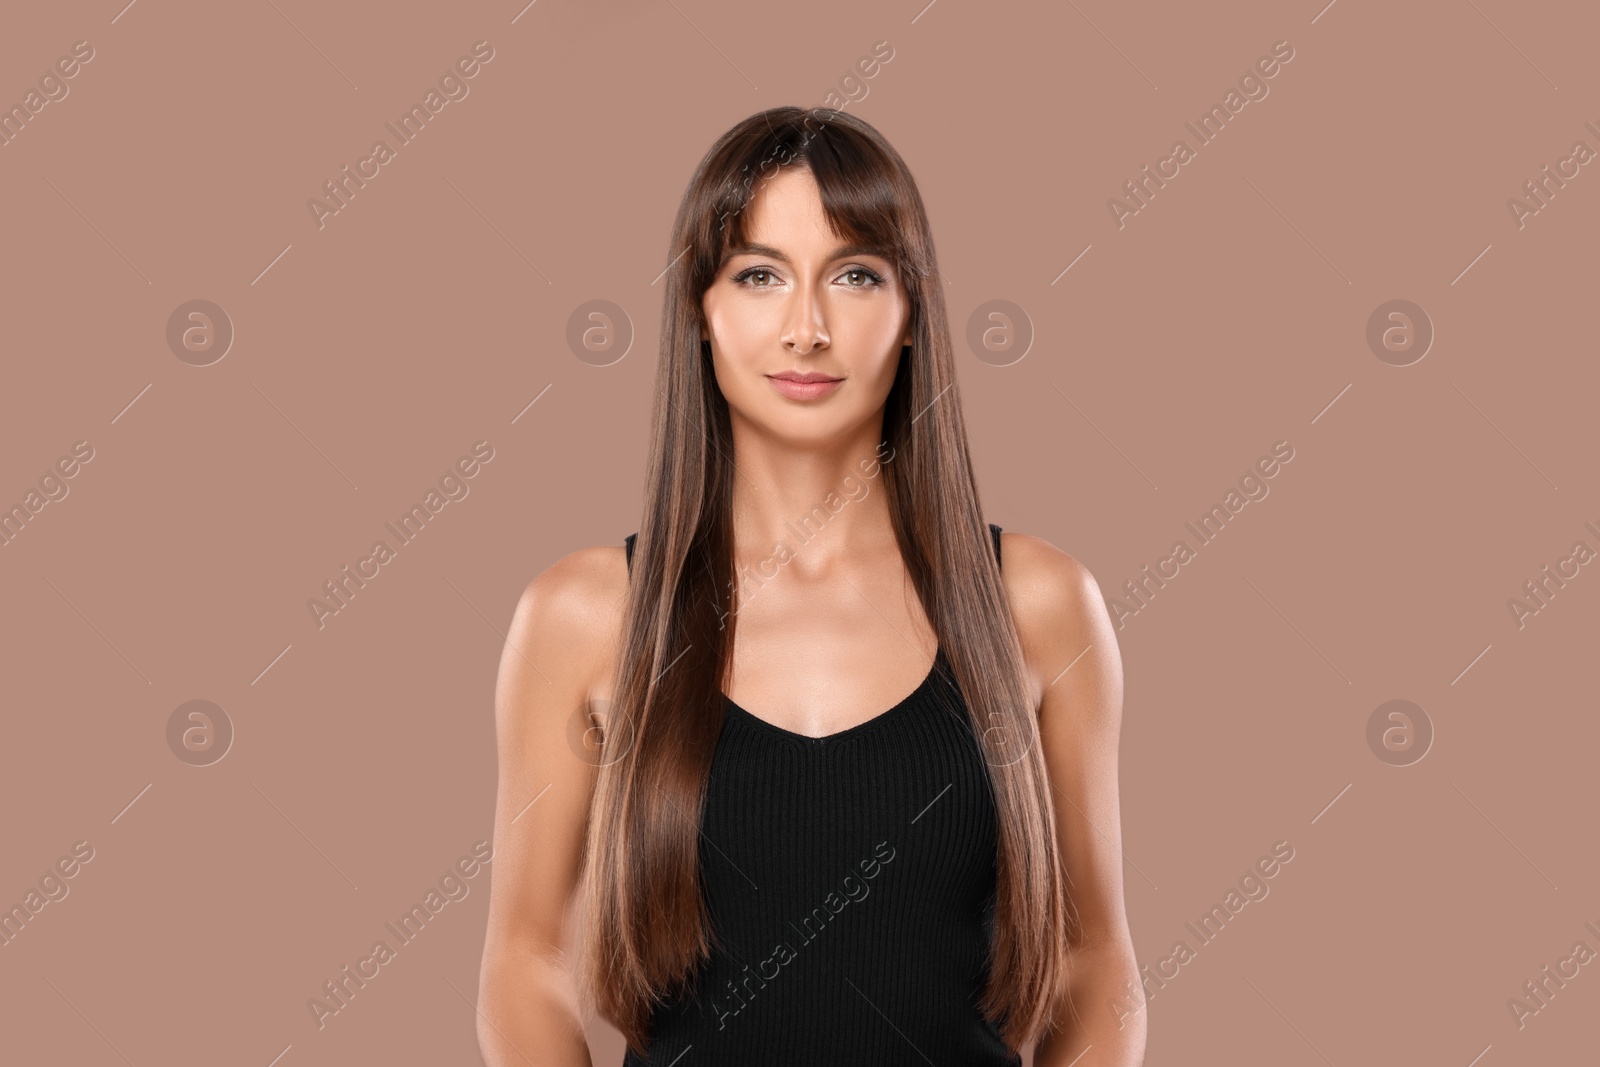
pixel 797 302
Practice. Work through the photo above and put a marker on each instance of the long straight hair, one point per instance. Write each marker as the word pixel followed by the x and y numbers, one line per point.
pixel 645 925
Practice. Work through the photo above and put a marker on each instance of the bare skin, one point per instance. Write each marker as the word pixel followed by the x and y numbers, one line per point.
pixel 834 637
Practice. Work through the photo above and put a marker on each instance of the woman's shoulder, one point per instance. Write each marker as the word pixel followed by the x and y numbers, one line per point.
pixel 1034 561
pixel 572 609
pixel 576 583
pixel 1054 598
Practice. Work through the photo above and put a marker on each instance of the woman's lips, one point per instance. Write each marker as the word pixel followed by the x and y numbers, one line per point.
pixel 802 390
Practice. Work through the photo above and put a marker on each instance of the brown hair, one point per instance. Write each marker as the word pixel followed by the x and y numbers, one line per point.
pixel 645 924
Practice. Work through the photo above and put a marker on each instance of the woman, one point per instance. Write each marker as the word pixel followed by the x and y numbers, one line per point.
pixel 773 868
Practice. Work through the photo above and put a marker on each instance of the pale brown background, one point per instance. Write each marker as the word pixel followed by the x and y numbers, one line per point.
pixel 1226 316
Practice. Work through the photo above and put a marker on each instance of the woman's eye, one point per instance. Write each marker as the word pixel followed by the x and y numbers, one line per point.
pixel 855 278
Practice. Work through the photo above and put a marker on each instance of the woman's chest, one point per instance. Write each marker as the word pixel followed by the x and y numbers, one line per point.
pixel 903 807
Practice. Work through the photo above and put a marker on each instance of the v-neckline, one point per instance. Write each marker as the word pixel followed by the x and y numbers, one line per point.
pixel 849 731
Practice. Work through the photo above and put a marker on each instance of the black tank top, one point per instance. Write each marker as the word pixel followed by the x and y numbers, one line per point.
pixel 850 880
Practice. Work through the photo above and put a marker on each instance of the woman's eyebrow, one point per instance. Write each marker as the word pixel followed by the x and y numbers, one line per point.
pixel 772 253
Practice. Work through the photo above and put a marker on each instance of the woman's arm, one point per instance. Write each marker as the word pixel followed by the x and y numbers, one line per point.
pixel 1068 639
pixel 564 625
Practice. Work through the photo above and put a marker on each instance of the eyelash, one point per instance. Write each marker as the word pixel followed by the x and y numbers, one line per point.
pixel 875 279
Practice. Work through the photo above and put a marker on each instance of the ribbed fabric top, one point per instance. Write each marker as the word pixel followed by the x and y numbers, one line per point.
pixel 850 882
